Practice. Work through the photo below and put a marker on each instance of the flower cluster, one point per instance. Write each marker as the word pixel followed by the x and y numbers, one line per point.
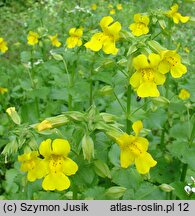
pixel 150 71
pixel 134 150
pixel 53 165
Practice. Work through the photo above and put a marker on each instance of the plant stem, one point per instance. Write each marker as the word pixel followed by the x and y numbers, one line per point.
pixel 91 89
pixel 128 122
pixel 119 101
pixel 183 173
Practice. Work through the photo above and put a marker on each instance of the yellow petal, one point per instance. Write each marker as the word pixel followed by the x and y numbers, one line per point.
pixel 136 80
pixel 137 17
pixel 178 70
pixel 144 162
pixel 60 147
pixel 159 78
pixel 69 167
pixel 163 67
pixel 105 22
pixel 140 62
pixel 72 31
pixel 154 59
pixel 148 89
pixel 71 42
pixel 79 32
pixel 176 18
pixel 56 181
pixel 184 19
pixel 145 20
pixel 137 126
pixel 174 8
pixel 109 47
pixel 32 175
pixel 126 158
pixel 124 140
pixel 114 30
pixel 45 148
pixel 142 143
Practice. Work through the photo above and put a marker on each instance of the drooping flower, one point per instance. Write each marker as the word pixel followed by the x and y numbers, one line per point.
pixel 147 77
pixel 33 38
pixel 134 150
pixel 54 40
pixel 75 37
pixel 94 7
pixel 31 163
pixel 58 165
pixel 105 40
pixel 140 25
pixel 171 61
pixel 3 45
pixel 175 15
pixel 3 90
pixel 184 94
pixel 119 6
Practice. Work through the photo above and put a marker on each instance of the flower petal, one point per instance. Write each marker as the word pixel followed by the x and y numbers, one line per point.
pixel 140 62
pixel 136 79
pixel 159 78
pixel 45 148
pixel 69 167
pixel 163 67
pixel 105 22
pixel 144 162
pixel 154 59
pixel 124 140
pixel 109 47
pixel 126 158
pixel 143 143
pixel 184 19
pixel 96 42
pixel 56 181
pixel 137 126
pixel 178 70
pixel 60 147
pixel 148 89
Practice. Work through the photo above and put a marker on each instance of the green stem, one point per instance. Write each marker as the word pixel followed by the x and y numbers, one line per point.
pixel 119 101
pixel 183 173
pixel 128 122
pixel 91 89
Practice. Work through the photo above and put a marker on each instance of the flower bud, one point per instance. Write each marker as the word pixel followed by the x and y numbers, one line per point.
pixel 166 188
pixel 115 192
pixel 106 90
pixel 87 147
pixel 102 169
pixel 155 46
pixel 11 111
pixel 56 56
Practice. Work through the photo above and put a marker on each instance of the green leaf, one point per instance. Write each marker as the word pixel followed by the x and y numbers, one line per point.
pixel 95 193
pixel 179 190
pixel 128 178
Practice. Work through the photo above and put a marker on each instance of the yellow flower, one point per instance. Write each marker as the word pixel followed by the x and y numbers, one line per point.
pixel 44 125
pixel 140 27
pixel 31 164
pixel 58 165
pixel 134 150
pixel 3 90
pixel 184 94
pixel 94 7
pixel 3 45
pixel 33 38
pixel 175 15
pixel 75 37
pixel 55 41
pixel 119 6
pixel 171 61
pixel 147 77
pixel 112 11
pixel 105 40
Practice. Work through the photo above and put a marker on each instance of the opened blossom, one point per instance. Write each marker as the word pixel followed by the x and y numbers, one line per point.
pixel 147 77
pixel 106 39
pixel 3 90
pixel 3 45
pixel 171 61
pixel 140 25
pixel 31 163
pixel 57 164
pixel 54 40
pixel 175 15
pixel 75 37
pixel 133 150
pixel 184 94
pixel 33 38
